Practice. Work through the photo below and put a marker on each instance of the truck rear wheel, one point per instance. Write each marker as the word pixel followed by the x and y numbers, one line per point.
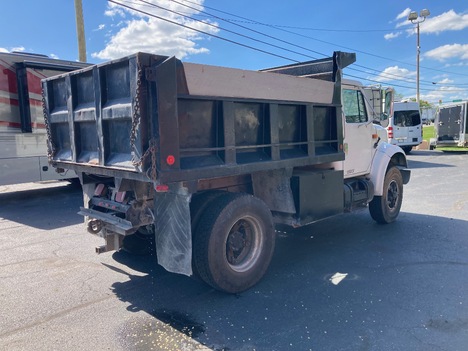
pixel 385 209
pixel 140 243
pixel 234 242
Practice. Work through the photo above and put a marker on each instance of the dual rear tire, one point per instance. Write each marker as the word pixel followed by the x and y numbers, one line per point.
pixel 233 241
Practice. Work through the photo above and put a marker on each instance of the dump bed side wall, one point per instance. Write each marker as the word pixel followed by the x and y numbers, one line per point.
pixel 194 121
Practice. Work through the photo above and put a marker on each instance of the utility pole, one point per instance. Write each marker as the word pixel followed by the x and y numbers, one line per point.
pixel 80 30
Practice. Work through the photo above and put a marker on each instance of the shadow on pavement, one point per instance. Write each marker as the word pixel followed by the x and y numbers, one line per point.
pixel 43 208
pixel 391 272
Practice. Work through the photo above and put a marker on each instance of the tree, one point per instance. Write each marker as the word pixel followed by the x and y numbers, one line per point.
pixel 423 103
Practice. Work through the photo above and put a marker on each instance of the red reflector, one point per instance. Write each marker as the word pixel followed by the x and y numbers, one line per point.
pixel 162 188
pixel 170 160
pixel 120 196
pixel 99 190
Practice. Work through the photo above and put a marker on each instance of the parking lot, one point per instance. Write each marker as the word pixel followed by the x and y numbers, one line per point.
pixel 404 285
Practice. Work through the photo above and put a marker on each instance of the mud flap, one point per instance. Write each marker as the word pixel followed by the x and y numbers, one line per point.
pixel 173 234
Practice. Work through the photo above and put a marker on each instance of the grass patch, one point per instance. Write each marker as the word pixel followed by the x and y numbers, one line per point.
pixel 452 149
pixel 429 132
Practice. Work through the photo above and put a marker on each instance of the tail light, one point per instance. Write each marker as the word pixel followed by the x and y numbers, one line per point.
pixel 390 132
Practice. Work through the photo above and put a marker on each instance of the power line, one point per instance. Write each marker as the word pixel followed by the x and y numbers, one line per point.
pixel 323 41
pixel 250 38
pixel 269 36
pixel 227 30
pixel 385 74
pixel 203 32
pixel 252 30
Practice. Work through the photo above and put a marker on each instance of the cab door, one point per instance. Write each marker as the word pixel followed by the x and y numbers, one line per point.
pixel 358 133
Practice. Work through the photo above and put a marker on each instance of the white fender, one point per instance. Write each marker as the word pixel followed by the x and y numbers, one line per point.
pixel 384 154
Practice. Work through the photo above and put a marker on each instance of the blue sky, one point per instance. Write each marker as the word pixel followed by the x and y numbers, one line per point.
pixel 282 32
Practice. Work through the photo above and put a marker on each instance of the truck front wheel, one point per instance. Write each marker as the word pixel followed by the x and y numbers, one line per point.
pixel 233 243
pixel 385 209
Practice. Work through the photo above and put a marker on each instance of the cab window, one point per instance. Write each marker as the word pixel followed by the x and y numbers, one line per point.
pixel 407 118
pixel 354 107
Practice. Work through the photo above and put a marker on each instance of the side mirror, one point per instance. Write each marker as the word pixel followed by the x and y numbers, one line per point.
pixel 387 107
pixel 380 101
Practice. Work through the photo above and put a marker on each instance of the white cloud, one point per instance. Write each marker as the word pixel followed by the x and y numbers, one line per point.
pixel 16 48
pixel 445 81
pixel 448 51
pixel 447 21
pixel 143 32
pixel 395 73
pixel 390 36
pixel 445 94
pixel 404 14
pixel 53 56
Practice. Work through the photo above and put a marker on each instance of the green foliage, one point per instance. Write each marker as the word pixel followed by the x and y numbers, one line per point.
pixel 423 103
pixel 428 132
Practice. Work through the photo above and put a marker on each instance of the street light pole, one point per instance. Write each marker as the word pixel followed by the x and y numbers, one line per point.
pixel 414 18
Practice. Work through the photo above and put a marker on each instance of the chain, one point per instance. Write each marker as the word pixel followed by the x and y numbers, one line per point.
pixel 136 111
pixel 50 145
pixel 138 162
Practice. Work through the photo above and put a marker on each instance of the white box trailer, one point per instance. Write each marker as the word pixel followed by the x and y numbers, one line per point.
pixel 23 137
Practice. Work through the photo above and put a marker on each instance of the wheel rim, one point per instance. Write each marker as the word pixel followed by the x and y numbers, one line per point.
pixel 393 195
pixel 243 244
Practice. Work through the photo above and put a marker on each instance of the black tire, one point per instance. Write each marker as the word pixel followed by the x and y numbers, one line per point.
pixel 198 204
pixel 385 209
pixel 234 242
pixel 140 243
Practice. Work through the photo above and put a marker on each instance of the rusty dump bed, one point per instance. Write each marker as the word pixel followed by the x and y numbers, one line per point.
pixel 155 118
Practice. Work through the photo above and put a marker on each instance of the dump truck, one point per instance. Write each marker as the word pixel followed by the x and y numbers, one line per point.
pixel 204 161
pixel 23 138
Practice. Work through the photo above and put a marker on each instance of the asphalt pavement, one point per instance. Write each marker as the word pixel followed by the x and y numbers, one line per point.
pixel 345 283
